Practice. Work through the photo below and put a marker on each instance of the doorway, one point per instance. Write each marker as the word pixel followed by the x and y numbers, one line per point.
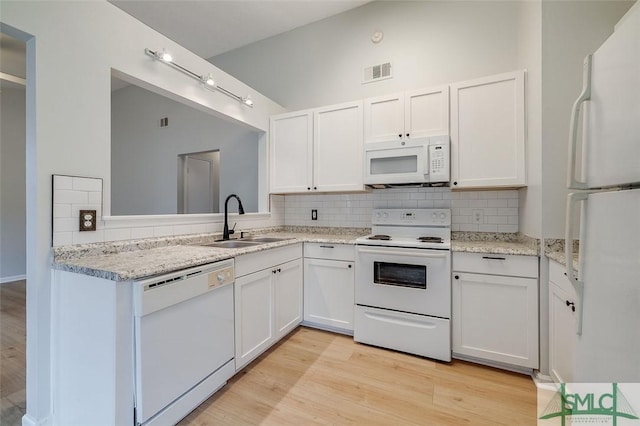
pixel 199 182
pixel 12 230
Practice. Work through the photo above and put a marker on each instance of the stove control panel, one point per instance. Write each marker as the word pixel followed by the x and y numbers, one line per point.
pixel 413 217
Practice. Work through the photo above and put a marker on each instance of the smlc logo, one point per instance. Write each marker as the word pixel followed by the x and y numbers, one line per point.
pixel 592 406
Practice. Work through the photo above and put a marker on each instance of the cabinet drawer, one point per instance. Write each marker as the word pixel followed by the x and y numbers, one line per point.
pixel 264 259
pixel 557 276
pixel 330 251
pixel 496 264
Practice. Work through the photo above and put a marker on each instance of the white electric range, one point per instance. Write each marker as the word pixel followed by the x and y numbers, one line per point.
pixel 403 282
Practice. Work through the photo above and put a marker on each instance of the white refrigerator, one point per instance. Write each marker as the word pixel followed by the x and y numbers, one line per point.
pixel 607 192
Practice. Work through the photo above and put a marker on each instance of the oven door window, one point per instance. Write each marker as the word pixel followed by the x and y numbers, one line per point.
pixel 399 274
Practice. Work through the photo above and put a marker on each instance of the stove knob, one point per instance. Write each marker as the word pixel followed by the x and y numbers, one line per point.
pixel 377 215
pixel 442 216
pixel 434 216
pixel 220 278
pixel 385 215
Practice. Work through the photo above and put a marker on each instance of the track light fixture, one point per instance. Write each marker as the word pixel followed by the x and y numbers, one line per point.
pixel 207 80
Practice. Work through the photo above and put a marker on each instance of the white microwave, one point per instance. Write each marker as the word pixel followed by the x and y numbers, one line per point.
pixel 417 161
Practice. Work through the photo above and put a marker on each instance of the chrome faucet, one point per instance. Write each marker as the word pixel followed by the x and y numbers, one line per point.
pixel 226 232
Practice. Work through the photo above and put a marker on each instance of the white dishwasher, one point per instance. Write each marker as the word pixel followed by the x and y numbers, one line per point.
pixel 184 340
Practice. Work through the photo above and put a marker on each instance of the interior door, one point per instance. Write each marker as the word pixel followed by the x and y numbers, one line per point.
pixel 198 185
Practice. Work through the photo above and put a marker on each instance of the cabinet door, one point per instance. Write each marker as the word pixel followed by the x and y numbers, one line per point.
pixel 384 118
pixel 562 333
pixel 254 311
pixel 338 153
pixel 291 152
pixel 288 297
pixel 426 112
pixel 496 318
pixel 328 293
pixel 487 132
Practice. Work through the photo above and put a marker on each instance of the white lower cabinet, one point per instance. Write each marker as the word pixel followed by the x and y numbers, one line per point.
pixel 495 308
pixel 329 286
pixel 287 284
pixel 562 324
pixel 268 299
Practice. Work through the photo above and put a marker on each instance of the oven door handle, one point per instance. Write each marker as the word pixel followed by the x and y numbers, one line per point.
pixel 404 253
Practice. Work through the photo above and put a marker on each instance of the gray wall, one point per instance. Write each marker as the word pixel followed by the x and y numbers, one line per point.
pixel 144 156
pixel 429 43
pixel 433 43
pixel 12 184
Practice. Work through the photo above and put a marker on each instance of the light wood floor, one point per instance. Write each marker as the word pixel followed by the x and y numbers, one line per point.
pixel 316 377
pixel 12 352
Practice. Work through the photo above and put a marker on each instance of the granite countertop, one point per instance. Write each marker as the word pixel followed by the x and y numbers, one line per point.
pixel 135 259
pixel 494 243
pixel 554 249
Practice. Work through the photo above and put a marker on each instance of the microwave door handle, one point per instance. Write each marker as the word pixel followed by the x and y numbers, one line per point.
pixel 404 253
pixel 426 160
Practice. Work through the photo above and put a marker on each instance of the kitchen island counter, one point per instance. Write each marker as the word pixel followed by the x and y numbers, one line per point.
pixel 136 259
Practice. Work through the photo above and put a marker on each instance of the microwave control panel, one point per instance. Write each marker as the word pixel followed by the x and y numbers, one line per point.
pixel 439 162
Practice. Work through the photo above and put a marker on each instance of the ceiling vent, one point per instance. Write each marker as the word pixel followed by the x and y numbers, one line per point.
pixel 377 72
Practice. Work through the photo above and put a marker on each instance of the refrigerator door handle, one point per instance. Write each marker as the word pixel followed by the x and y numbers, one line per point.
pixel 585 95
pixel 573 200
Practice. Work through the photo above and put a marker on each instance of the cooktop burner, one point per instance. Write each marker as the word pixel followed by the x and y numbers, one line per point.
pixel 379 237
pixel 430 240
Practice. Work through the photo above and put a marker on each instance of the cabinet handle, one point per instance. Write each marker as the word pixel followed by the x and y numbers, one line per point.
pixel 573 305
pixel 400 135
pixel 279 270
pixel 407 134
pixel 455 183
pixel 273 271
pixel 315 187
pixel 493 258
pixel 308 188
pixel 457 277
pixel 326 247
pixel 350 266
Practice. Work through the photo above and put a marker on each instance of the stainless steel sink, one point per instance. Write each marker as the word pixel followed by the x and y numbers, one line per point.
pixel 245 242
pixel 266 239
pixel 233 244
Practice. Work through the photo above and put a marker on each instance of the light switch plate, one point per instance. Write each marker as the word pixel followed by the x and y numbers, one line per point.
pixel 88 220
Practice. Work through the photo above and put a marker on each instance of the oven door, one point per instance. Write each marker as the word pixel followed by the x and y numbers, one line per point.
pixel 403 279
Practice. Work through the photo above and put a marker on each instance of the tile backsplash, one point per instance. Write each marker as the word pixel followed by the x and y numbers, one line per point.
pixel 497 210
pixel 72 194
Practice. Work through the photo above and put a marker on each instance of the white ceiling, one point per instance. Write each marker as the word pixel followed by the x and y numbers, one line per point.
pixel 211 27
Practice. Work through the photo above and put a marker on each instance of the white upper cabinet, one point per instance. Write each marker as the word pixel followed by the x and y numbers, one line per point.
pixel 317 150
pixel 407 115
pixel 488 132
pixel 337 148
pixel 384 118
pixel 291 152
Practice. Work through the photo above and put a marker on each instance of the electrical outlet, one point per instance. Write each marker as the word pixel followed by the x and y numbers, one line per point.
pixel 88 220
pixel 314 214
pixel 478 216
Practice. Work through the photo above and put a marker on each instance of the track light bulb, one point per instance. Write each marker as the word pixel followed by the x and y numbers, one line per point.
pixel 208 80
pixel 165 56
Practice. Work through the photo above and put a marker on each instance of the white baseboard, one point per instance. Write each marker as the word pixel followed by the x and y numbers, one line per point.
pixel 27 420
pixel 12 278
